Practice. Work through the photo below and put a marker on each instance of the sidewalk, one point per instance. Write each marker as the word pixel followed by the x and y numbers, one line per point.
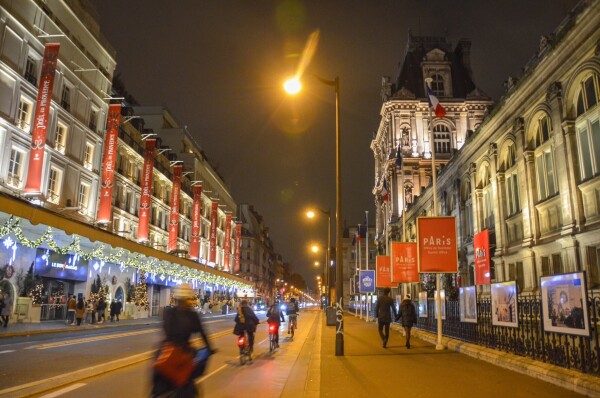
pixel 368 369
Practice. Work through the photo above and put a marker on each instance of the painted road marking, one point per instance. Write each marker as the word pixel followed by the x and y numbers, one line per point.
pixel 6 352
pixel 63 391
pixel 211 373
pixel 90 339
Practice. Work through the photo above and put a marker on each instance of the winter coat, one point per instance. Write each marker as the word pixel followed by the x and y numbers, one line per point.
pixel 274 314
pixel 80 309
pixel 249 323
pixel 384 309
pixel 8 306
pixel 408 313
pixel 71 304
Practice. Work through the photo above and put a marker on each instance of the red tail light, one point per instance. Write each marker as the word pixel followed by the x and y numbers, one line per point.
pixel 271 328
pixel 241 341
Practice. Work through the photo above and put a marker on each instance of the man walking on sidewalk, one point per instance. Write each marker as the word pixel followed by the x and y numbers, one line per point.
pixel 384 309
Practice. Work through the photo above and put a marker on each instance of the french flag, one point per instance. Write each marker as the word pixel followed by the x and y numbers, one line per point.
pixel 384 191
pixel 438 109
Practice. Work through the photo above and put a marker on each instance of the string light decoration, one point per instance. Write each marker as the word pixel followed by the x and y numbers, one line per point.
pixel 119 256
pixel 140 298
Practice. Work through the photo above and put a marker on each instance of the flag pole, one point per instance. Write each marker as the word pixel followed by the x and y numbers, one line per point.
pixel 438 279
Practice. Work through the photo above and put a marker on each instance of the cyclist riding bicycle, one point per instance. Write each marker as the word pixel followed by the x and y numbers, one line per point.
pixel 275 316
pixel 246 321
pixel 292 311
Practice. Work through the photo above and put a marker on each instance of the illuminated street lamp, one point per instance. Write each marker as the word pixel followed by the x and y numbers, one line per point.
pixel 293 86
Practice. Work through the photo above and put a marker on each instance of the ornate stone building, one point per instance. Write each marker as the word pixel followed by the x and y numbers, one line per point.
pixel 529 171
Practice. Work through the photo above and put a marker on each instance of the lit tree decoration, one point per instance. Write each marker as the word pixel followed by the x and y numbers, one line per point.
pixel 140 298
pixel 37 293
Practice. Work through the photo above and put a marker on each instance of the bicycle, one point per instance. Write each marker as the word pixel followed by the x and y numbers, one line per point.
pixel 292 320
pixel 273 337
pixel 244 345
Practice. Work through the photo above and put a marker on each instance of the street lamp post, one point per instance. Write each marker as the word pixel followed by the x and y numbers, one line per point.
pixel 293 86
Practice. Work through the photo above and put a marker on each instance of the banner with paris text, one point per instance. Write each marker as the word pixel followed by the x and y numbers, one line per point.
pixel 404 262
pixel 481 248
pixel 109 163
pixel 436 243
pixel 146 195
pixel 196 220
pixel 227 243
pixel 39 129
pixel 212 254
pixel 384 274
pixel 238 248
pixel 174 215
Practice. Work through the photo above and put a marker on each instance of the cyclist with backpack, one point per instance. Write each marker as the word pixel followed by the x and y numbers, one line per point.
pixel 292 312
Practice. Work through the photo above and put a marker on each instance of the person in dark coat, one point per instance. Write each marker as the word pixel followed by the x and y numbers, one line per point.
pixel 384 309
pixel 113 310
pixel 246 321
pixel 275 316
pixel 408 313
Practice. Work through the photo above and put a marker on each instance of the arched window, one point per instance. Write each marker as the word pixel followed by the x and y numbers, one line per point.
pixel 441 139
pixel 588 128
pixel 437 85
pixel 511 178
pixel 544 161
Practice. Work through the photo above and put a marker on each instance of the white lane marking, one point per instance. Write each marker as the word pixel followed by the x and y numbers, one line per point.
pixel 90 339
pixel 211 373
pixel 6 352
pixel 63 391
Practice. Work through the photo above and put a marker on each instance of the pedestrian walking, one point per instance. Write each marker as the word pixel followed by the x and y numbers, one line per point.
pixel 80 311
pixel 101 309
pixel 384 309
pixel 6 309
pixel 113 310
pixel 118 309
pixel 71 305
pixel 408 314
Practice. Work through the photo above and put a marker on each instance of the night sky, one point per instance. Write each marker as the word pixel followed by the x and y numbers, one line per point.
pixel 218 66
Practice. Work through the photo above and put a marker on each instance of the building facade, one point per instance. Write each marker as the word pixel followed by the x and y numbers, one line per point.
pixel 527 170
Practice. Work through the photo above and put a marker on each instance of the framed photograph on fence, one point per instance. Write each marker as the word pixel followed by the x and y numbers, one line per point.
pixel 422 304
pixel 564 304
pixel 504 304
pixel 443 300
pixel 468 304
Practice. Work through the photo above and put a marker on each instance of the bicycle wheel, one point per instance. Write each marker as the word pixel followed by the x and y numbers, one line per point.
pixel 293 328
pixel 272 344
pixel 243 356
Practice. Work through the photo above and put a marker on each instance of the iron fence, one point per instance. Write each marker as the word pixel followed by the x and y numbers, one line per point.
pixel 581 353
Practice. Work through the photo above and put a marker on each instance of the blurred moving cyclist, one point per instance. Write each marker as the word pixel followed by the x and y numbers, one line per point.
pixel 292 312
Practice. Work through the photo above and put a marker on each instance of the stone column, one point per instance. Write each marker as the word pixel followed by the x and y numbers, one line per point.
pixel 573 177
pixel 528 191
pixel 529 270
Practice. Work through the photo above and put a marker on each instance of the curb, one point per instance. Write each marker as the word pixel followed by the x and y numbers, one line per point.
pixel 571 380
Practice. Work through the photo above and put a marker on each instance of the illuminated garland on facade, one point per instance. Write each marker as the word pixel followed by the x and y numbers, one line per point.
pixel 118 256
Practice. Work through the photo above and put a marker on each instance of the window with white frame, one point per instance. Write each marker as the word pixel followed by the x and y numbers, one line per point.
pixel 544 160
pixel 84 197
pixel 54 184
pixel 88 157
pixel 60 141
pixel 24 114
pixel 441 139
pixel 30 72
pixel 588 128
pixel 437 85
pixel 513 201
pixel 65 98
pixel 15 168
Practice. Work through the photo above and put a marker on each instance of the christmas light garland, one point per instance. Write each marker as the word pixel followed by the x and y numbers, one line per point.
pixel 119 256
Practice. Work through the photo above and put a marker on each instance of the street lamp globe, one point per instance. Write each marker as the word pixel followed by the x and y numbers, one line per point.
pixel 292 86
pixel 310 214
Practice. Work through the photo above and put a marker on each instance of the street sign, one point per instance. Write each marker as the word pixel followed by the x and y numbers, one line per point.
pixel 367 281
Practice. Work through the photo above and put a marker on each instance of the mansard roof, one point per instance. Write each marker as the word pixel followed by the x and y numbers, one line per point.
pixel 410 72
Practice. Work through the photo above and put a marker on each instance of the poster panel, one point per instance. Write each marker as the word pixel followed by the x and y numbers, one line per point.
pixel 384 276
pixel 146 193
pixel 367 281
pixel 437 248
pixel 404 262
pixel 504 304
pixel 238 248
pixel 227 243
pixel 423 304
pixel 109 163
pixel 212 239
pixel 481 249
pixel 39 130
pixel 564 308
pixel 468 304
pixel 196 220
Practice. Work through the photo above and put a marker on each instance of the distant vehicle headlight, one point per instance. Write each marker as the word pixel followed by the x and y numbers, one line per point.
pixel 282 307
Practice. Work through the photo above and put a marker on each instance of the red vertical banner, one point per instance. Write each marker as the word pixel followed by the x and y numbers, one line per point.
pixel 437 247
pixel 212 254
pixel 238 248
pixel 384 274
pixel 196 220
pixel 227 243
pixel 40 121
pixel 146 195
pixel 109 163
pixel 404 262
pixel 481 248
pixel 174 215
